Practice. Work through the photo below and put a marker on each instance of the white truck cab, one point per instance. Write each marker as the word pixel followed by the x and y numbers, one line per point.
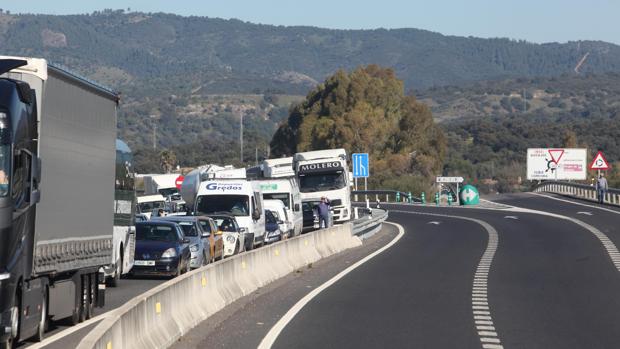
pixel 325 173
pixel 279 183
pixel 148 203
pixel 226 190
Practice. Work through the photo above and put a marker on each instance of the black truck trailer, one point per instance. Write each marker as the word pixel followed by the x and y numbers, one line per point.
pixel 57 171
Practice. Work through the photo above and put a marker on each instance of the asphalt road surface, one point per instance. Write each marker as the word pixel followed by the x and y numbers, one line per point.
pixel 545 277
pixel 459 278
pixel 115 297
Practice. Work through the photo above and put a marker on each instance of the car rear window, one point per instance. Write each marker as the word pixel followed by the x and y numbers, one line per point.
pixel 151 232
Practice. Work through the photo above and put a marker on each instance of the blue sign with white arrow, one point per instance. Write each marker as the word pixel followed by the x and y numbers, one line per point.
pixel 360 165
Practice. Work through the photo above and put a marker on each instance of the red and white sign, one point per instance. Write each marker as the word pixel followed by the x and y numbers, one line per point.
pixel 599 162
pixel 556 163
pixel 179 182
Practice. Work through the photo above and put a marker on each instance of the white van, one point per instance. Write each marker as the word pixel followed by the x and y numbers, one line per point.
pixel 279 211
pixel 285 190
pixel 148 203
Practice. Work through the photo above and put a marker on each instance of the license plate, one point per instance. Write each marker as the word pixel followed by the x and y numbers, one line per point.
pixel 144 263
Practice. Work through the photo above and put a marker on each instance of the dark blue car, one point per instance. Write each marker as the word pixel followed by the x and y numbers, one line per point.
pixel 161 249
pixel 272 228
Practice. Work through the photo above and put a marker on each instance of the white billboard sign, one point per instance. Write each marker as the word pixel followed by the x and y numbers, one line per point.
pixel 556 164
pixel 449 179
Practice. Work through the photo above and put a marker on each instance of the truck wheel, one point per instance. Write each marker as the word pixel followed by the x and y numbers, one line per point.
pixel 90 301
pixel 84 299
pixel 43 321
pixel 118 272
pixel 11 342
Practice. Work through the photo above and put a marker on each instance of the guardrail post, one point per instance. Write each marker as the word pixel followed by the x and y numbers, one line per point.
pixel 387 197
pixel 355 197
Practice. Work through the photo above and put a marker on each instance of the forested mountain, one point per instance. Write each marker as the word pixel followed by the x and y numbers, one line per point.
pixel 233 56
pixel 489 125
pixel 186 82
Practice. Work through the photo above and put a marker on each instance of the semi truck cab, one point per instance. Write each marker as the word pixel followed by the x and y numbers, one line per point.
pixel 325 173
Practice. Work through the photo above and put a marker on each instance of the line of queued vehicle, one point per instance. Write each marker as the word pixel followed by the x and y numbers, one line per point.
pixel 174 244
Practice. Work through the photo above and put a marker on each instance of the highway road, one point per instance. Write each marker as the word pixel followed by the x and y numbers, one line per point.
pixel 62 336
pixel 463 278
pixel 545 275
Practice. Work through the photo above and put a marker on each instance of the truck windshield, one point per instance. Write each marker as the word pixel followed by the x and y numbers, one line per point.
pixel 284 197
pixel 5 161
pixel 321 182
pixel 168 191
pixel 150 206
pixel 236 205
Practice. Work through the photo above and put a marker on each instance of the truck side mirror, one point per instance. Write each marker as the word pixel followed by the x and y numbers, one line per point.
pixel 256 215
pixel 296 207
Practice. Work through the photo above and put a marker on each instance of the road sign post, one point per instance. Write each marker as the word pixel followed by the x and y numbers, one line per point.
pixel 179 181
pixel 437 199
pixel 361 167
pixel 469 195
pixel 599 163
pixel 423 197
pixel 410 198
pixel 397 196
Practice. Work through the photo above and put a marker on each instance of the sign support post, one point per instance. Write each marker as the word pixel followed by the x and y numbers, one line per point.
pixel 361 165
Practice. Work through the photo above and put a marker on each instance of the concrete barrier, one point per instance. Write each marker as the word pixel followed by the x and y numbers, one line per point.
pixel 157 318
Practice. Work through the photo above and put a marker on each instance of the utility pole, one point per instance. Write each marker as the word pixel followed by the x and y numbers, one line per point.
pixel 154 124
pixel 241 136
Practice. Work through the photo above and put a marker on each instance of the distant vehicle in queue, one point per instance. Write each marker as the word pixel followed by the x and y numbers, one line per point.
pixel 278 209
pixel 161 249
pixel 311 219
pixel 272 228
pixel 214 190
pixel 216 237
pixel 201 241
pixel 149 203
pixel 235 238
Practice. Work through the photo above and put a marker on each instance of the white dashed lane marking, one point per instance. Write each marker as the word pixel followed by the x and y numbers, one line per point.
pixel 481 311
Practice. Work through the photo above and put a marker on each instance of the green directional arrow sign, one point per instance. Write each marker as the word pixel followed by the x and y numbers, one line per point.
pixel 469 195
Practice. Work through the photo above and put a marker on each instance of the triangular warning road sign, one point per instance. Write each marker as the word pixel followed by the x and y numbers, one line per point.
pixel 556 155
pixel 599 162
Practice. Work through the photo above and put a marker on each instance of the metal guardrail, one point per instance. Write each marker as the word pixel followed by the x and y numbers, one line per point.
pixel 582 191
pixel 369 222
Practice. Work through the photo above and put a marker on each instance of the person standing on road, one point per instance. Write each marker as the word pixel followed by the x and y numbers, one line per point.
pixel 323 209
pixel 601 188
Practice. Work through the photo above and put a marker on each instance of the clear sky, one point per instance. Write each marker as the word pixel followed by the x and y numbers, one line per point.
pixel 532 20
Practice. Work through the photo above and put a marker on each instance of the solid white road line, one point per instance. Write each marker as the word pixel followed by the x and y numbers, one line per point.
pixel 480 310
pixel 610 247
pixel 68 331
pixel 576 203
pixel 275 331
